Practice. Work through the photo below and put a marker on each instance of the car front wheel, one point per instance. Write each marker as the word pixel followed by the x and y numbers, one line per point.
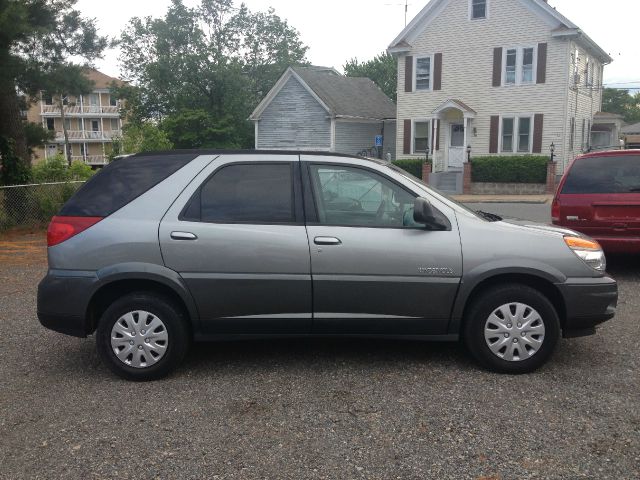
pixel 142 336
pixel 511 329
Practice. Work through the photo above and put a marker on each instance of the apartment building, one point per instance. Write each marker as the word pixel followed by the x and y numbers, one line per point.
pixel 92 121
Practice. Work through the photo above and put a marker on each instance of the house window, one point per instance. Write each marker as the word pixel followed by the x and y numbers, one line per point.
pixel 67 123
pixel 421 136
pixel 95 125
pixel 572 135
pixel 516 134
pixel 588 73
pixel 524 134
pixel 115 124
pixel 507 134
pixel 51 124
pixel 48 98
pixel 519 65
pixel 510 67
pixel 478 9
pixel 423 73
pixel 527 65
pixel 113 101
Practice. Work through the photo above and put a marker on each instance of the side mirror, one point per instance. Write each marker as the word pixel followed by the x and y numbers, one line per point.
pixel 423 213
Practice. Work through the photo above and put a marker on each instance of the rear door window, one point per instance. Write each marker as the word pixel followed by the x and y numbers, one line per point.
pixel 260 193
pixel 617 174
pixel 121 182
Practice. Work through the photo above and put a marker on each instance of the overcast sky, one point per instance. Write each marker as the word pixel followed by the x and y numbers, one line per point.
pixel 337 30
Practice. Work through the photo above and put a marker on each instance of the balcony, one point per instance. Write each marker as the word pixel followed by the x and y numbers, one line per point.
pixel 91 159
pixel 73 111
pixel 84 135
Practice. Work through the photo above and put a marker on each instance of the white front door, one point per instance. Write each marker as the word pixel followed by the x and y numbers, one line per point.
pixel 456 145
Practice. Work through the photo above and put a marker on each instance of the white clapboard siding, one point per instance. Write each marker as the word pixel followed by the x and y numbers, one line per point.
pixel 294 120
pixel 467 70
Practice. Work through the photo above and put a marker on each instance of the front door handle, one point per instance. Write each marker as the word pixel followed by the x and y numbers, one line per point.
pixel 327 241
pixel 184 236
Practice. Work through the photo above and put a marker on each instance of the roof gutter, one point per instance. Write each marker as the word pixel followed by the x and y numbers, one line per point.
pixel 579 35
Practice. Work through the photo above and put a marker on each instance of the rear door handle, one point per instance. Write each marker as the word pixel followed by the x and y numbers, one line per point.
pixel 327 241
pixel 184 236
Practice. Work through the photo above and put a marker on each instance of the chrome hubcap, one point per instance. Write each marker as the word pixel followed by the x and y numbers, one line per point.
pixel 139 339
pixel 514 332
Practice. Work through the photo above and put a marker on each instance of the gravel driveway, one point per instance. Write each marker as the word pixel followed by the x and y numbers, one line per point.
pixel 313 409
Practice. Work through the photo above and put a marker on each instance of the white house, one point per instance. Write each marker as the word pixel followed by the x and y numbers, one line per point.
pixel 503 77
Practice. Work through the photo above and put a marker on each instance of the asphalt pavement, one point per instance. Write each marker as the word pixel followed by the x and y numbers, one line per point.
pixel 315 409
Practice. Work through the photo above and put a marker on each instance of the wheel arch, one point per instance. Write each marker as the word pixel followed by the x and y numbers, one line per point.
pixel 120 280
pixel 541 283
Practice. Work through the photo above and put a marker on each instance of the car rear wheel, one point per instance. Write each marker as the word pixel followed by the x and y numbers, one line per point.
pixel 511 329
pixel 142 336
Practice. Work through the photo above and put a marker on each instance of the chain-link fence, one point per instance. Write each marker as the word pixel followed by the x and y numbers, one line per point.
pixel 33 205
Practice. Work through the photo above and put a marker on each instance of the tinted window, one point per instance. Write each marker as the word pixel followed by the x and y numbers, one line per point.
pixel 357 197
pixel 604 175
pixel 246 193
pixel 122 181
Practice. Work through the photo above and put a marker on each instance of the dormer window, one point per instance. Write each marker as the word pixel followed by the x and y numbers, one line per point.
pixel 478 9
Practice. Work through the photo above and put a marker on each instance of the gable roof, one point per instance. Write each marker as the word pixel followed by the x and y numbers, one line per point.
pixel 101 81
pixel 631 129
pixel 560 26
pixel 340 96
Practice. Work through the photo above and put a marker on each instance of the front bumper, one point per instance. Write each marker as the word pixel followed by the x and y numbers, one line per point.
pixel 588 303
pixel 63 298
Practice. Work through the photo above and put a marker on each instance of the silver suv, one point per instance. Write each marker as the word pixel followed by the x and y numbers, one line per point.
pixel 161 249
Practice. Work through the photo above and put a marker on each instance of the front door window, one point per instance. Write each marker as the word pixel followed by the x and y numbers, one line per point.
pixel 360 198
pixel 457 135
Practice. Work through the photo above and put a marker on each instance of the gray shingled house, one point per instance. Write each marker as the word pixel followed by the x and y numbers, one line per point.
pixel 317 108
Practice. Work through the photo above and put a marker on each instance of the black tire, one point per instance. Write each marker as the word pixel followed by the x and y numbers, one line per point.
pixel 176 328
pixel 491 299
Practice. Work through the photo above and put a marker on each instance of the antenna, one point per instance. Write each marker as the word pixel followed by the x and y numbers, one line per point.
pixel 406 8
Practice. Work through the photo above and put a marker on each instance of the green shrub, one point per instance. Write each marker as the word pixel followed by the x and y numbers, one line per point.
pixel 411 165
pixel 510 169
pixel 53 169
pixel 56 169
pixel 80 171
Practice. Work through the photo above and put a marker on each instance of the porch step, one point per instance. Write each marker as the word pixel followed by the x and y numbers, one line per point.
pixel 447 182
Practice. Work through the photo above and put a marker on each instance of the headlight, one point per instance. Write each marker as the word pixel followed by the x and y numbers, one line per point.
pixel 589 251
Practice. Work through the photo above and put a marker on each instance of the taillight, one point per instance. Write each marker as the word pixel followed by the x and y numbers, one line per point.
pixel 63 228
pixel 555 210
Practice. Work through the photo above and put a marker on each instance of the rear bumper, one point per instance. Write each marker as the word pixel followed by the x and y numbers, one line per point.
pixel 63 298
pixel 588 303
pixel 619 244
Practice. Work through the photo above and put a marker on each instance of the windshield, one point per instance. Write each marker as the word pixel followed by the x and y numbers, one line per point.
pixel 617 174
pixel 437 193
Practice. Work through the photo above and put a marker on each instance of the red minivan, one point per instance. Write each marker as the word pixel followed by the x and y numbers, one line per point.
pixel 599 195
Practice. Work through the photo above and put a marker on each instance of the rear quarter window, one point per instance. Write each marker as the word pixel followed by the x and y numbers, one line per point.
pixel 121 182
pixel 615 174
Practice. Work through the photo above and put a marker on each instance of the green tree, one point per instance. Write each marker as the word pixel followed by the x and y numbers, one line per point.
pixel 623 103
pixel 144 137
pixel 383 70
pixel 37 39
pixel 212 61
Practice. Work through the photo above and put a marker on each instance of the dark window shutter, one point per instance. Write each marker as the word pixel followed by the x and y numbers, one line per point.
pixel 437 134
pixel 538 123
pixel 407 137
pixel 408 74
pixel 542 63
pixel 494 132
pixel 497 66
pixel 437 71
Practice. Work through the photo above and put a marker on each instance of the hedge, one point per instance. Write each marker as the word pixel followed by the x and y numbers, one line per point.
pixel 411 165
pixel 510 169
